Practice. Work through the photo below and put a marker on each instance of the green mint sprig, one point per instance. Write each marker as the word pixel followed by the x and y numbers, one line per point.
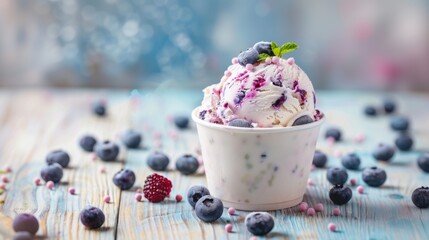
pixel 279 51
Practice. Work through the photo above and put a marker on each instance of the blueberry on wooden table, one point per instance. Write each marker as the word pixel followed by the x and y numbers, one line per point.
pixel 243 123
pixel 334 133
pixel 370 111
pixel 124 179
pixel 181 122
pixel 337 176
pixel 383 152
pixel 423 161
pixel 319 159
pixel 374 176
pixel 53 172
pixel 158 161
pixel 420 197
pixel 389 106
pixel 399 123
pixel 99 108
pixel 187 164
pixel 87 142
pixel 131 139
pixel 208 208
pixel 25 222
pixel 302 120
pixel 23 236
pixel 351 161
pixel 340 194
pixel 107 151
pixel 58 156
pixel 404 142
pixel 92 217
pixel 259 223
pixel 195 193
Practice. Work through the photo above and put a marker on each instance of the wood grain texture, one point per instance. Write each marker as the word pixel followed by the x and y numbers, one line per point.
pixel 35 122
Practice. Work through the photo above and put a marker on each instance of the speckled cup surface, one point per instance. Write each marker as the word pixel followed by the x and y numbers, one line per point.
pixel 257 169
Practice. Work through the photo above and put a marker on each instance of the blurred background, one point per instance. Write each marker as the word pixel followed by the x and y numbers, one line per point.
pixel 380 45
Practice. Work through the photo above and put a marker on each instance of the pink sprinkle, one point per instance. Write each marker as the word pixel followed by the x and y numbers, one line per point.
pixel 310 182
pixel 290 61
pixel 170 118
pixel 252 238
pixel 157 135
pixel 72 191
pixel 318 207
pixel 102 169
pixel 138 197
pixel 360 138
pixel 179 198
pixel 231 211
pixel 353 182
pixel 107 199
pixel 303 207
pixel 267 60
pixel 36 181
pixel 200 161
pixel 330 141
pixel 336 211
pixel 139 190
pixel 4 179
pixel 3 186
pixel 8 169
pixel 227 73
pixel 332 227
pixel 311 212
pixel 360 189
pixel 249 67
pixel 338 153
pixel 228 227
pixel 172 134
pixel 275 60
pixel 50 185
pixel 234 60
pixel 313 167
pixel 157 144
pixel 92 156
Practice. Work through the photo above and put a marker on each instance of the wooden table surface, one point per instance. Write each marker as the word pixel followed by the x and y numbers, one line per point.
pixel 34 122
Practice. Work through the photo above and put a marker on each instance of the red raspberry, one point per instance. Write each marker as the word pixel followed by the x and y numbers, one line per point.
pixel 156 188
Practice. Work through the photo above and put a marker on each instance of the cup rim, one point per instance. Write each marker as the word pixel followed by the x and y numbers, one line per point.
pixel 198 121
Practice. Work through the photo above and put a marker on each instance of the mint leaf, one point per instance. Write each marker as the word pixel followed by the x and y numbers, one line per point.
pixel 288 47
pixel 274 45
pixel 263 56
pixel 2 172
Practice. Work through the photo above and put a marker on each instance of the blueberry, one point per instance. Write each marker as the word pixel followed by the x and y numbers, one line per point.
pixel 107 151
pixel 302 120
pixel 389 106
pixel 131 139
pixel 399 123
pixel 92 217
pixel 333 133
pixel 370 111
pixel 187 164
pixel 250 56
pixel 53 172
pixel 259 223
pixel 263 47
pixel 25 222
pixel 240 123
pixel 124 179
pixel 195 193
pixel 319 159
pixel 58 156
pixel 337 176
pixel 158 161
pixel 383 152
pixel 351 161
pixel 23 236
pixel 99 108
pixel 340 195
pixel 374 176
pixel 87 143
pixel 404 142
pixel 181 122
pixel 420 197
pixel 423 161
pixel 209 209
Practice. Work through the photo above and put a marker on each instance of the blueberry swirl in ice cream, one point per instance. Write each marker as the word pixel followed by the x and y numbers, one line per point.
pixel 262 88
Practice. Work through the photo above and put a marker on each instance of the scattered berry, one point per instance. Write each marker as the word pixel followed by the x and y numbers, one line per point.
pixel 318 207
pixel 22 236
pixel 52 173
pixel 259 223
pixel 240 123
pixel 209 208
pixel 87 143
pixel 37 181
pixel 231 211
pixel 179 198
pixel 360 189
pixel 107 199
pixel 340 195
pixel 353 182
pixel 370 111
pixel 404 142
pixel 374 176
pixel 420 197
pixel 234 60
pixel 50 185
pixel 336 212
pixel 249 67
pixel 139 190
pixel 156 188
pixel 58 156
pixel 351 161
pixel 25 222
pixel 138 197
pixel 250 56
pixel 337 176
pixel 338 153
pixel 4 179
pixel 131 139
pixel 423 161
pixel 8 169
pixel 383 152
pixel 275 60
pixel 303 120
pixel 107 151
pixel 310 182
pixel 311 212
pixel 3 186
pixel 389 106
pixel 303 206
pixel 103 169
pixel 187 164
pixel 399 123
pixel 181 121
pixel 332 227
pixel 334 133
pixel 360 138
pixel 263 47
pixel 92 217
pixel 158 161
pixel 72 191
pixel 99 108
pixel 228 227
pixel 195 193
pixel 290 61
pixel 124 179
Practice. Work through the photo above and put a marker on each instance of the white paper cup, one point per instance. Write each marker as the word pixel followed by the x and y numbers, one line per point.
pixel 257 168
